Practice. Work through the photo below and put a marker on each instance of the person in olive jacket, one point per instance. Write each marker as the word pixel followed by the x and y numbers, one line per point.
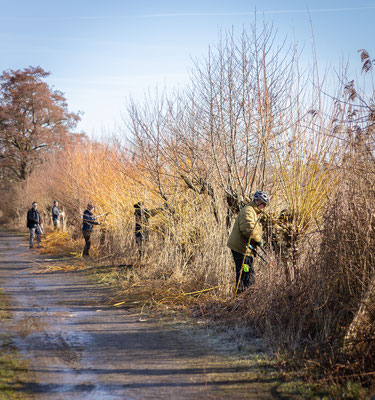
pixel 247 230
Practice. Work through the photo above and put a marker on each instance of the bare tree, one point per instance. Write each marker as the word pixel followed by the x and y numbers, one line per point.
pixel 215 137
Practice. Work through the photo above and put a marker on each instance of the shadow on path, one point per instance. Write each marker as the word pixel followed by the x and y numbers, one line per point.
pixel 80 348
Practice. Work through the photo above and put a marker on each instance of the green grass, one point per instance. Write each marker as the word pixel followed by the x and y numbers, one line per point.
pixel 13 370
pixel 316 385
pixel 350 391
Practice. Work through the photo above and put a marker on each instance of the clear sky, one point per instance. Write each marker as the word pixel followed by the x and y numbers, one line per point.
pixel 101 51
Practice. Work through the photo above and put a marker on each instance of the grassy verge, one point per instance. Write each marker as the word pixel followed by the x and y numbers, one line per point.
pixel 205 316
pixel 318 383
pixel 13 370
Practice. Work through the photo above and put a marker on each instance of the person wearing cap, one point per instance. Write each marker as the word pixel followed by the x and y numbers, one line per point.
pixel 33 223
pixel 56 215
pixel 247 230
pixel 89 221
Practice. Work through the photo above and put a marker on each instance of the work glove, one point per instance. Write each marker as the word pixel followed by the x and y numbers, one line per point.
pixel 255 244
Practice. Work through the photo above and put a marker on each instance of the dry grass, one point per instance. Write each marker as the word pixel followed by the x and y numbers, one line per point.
pixel 159 295
pixel 317 163
pixel 61 243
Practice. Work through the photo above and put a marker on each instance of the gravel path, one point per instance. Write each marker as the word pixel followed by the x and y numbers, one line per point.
pixel 79 348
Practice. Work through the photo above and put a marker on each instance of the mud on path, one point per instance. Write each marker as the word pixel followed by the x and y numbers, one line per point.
pixel 79 348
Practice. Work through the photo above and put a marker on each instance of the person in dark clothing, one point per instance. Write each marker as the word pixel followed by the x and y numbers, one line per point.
pixel 142 215
pixel 56 215
pixel 244 264
pixel 33 223
pixel 87 227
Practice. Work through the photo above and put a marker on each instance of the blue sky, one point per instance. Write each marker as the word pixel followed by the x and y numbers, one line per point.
pixel 100 52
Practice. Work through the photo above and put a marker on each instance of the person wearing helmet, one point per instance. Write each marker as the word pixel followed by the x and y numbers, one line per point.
pixel 247 230
pixel 87 227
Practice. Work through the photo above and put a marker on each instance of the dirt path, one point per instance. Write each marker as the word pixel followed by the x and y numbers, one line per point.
pixel 79 348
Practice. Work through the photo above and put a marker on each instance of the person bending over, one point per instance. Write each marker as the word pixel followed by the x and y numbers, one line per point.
pixel 246 231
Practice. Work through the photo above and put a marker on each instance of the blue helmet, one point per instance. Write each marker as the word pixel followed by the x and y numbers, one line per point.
pixel 262 197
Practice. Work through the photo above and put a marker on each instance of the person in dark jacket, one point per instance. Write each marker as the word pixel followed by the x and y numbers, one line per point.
pixel 89 220
pixel 33 223
pixel 142 215
pixel 56 215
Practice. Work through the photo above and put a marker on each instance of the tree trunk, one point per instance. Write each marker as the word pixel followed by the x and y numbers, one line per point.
pixel 360 336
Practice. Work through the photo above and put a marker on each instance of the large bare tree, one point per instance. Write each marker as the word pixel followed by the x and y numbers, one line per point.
pixel 216 135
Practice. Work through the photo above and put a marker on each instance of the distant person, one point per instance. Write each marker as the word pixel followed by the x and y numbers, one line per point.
pixel 33 223
pixel 89 220
pixel 247 230
pixel 142 215
pixel 56 215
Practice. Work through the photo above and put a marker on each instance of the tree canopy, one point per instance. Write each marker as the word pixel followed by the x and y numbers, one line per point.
pixel 34 121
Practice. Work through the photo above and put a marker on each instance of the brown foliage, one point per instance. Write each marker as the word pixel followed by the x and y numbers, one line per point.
pixel 34 120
